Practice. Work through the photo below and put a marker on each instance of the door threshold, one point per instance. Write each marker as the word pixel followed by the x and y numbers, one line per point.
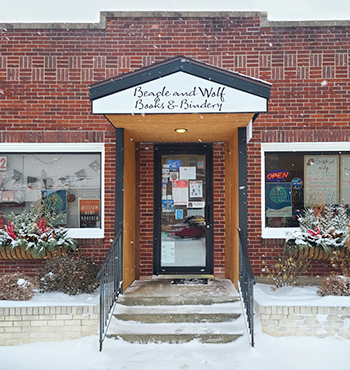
pixel 182 276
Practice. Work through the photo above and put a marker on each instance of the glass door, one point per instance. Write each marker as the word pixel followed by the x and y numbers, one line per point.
pixel 183 209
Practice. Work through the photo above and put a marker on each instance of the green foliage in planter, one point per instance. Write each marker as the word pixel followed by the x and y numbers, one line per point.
pixel 16 287
pixel 36 230
pixel 70 274
pixel 324 227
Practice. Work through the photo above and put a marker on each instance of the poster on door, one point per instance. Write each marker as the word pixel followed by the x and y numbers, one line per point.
pixel 168 205
pixel 180 192
pixel 196 189
pixel 188 173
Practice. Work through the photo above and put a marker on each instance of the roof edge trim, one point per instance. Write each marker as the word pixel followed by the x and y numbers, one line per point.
pixel 180 64
pixel 264 22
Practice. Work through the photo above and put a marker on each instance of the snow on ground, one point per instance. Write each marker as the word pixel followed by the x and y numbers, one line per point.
pixel 303 353
pixel 296 296
pixel 269 353
pixel 55 299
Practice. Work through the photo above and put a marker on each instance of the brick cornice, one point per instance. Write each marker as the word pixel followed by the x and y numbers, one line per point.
pixel 264 22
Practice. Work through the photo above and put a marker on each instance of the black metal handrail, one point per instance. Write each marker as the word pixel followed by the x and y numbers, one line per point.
pixel 110 278
pixel 246 285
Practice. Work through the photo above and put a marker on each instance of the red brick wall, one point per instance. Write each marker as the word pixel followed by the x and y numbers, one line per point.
pixel 44 97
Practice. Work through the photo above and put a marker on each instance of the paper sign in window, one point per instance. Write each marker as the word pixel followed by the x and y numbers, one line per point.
pixel 345 179
pixel 168 252
pixel 187 173
pixel 321 179
pixel 196 189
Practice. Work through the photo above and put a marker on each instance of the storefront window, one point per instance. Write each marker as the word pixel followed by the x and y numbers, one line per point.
pixel 294 180
pixel 68 182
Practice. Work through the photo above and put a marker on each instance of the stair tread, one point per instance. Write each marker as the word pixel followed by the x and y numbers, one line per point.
pixel 154 301
pixel 134 327
pixel 178 338
pixel 172 317
pixel 218 308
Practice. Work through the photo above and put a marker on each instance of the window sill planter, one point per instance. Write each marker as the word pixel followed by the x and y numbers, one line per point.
pixel 315 253
pixel 30 236
pixel 21 253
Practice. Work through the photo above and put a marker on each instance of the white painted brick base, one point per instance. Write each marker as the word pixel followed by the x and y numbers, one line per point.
pixel 281 321
pixel 44 324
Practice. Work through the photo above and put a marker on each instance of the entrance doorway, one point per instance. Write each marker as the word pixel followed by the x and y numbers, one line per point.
pixel 183 209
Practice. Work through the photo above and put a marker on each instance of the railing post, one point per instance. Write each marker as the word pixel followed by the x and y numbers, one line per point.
pixel 109 277
pixel 246 286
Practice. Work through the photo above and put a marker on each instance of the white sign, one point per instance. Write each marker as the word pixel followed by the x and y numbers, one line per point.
pixel 168 252
pixel 196 205
pixel 187 173
pixel 179 93
pixel 321 179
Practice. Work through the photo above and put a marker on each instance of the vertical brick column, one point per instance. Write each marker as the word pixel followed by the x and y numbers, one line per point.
pixel 146 209
pixel 219 209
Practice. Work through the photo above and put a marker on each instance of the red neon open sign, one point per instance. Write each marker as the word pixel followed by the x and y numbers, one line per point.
pixel 277 175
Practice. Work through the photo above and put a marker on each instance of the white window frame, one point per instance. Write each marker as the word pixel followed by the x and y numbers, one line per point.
pixel 282 232
pixel 76 233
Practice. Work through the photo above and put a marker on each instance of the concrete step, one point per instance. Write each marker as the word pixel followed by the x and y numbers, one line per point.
pixel 164 292
pixel 177 317
pixel 176 339
pixel 173 300
pixel 217 323
pixel 162 312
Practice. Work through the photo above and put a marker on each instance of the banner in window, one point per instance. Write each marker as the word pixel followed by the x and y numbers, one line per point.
pixel 278 199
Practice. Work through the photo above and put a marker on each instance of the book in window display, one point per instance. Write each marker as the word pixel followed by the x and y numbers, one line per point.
pixel 89 213
pixel 8 196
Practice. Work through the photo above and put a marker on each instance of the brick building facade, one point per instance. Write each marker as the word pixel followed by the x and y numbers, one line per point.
pixel 45 71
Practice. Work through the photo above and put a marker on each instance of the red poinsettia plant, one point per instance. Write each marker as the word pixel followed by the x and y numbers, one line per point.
pixel 35 233
pixel 325 227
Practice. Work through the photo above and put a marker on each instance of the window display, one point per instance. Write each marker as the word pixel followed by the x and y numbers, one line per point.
pixel 296 180
pixel 69 183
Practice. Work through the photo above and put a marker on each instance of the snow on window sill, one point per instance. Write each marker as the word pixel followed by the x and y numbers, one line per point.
pixel 86 233
pixel 277 232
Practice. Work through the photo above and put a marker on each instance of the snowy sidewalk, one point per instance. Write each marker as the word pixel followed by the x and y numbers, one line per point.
pixel 269 353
